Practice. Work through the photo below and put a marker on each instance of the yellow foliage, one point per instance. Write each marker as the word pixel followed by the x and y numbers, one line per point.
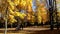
pixel 22 4
pixel 16 2
pixel 11 4
pixel 10 11
pixel 42 13
pixel 39 19
pixel 11 19
pixel 21 15
pixel 33 19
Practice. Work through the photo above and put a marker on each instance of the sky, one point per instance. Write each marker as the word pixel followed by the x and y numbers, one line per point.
pixel 34 6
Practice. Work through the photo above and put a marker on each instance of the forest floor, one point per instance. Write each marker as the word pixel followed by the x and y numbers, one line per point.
pixel 31 30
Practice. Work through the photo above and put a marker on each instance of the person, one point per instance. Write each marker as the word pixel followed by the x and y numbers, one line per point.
pixel 20 24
